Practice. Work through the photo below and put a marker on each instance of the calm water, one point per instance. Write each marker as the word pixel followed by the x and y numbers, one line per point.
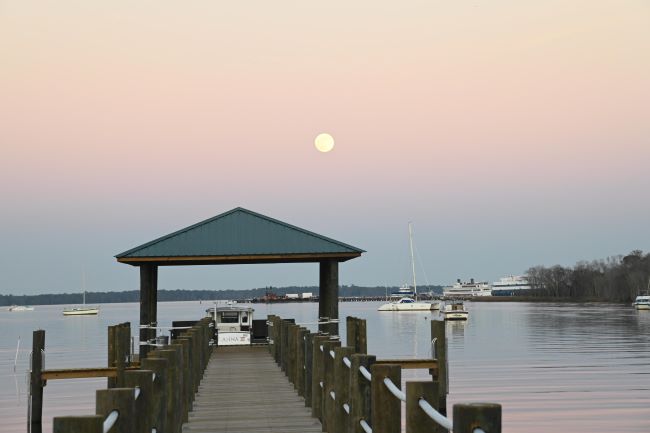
pixel 569 367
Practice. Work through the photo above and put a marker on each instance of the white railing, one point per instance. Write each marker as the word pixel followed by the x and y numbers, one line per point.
pixel 364 371
pixel 110 420
pixel 435 415
pixel 394 389
pixel 365 426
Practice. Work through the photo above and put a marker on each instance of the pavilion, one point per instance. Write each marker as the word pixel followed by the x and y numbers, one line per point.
pixel 238 236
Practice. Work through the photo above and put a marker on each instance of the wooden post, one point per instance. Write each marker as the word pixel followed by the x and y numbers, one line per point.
pixel 173 404
pixel 183 390
pixel 486 416
pixel 121 400
pixel 438 334
pixel 317 376
pixel 36 384
pixel 351 332
pixel 111 382
pixel 328 385
pixel 187 383
pixel 291 353
pixel 142 380
pixel 283 345
pixel 78 424
pixel 300 361
pixel 360 392
pixel 122 337
pixel 386 408
pixel 341 388
pixel 159 391
pixel 148 304
pixel 416 420
pixel 309 357
pixel 269 320
pixel 362 338
pixel 328 298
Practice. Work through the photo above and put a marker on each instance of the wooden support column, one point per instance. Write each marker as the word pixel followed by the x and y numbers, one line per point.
pixel 328 298
pixel 35 402
pixel 148 304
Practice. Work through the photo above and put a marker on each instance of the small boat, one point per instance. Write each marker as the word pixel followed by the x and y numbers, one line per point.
pixel 20 308
pixel 455 311
pixel 642 302
pixel 405 299
pixel 82 310
pixel 232 324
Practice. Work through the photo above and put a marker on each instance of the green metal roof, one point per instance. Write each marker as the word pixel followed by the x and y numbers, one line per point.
pixel 239 236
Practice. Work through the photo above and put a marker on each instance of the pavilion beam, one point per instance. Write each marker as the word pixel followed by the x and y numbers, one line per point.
pixel 328 298
pixel 148 304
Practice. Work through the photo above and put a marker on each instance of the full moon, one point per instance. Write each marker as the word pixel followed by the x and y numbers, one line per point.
pixel 324 142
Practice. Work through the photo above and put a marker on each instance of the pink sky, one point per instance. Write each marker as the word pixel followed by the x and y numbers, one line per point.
pixel 511 133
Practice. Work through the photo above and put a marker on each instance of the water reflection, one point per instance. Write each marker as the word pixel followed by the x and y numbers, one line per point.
pixel 572 367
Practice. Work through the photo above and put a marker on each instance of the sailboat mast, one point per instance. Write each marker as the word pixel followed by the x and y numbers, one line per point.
pixel 415 286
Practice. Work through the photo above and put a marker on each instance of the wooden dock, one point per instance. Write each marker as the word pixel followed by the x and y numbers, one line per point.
pixel 243 390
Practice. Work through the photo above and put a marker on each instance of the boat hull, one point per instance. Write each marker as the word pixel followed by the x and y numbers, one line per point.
pixel 414 306
pixel 642 306
pixel 81 312
pixel 457 315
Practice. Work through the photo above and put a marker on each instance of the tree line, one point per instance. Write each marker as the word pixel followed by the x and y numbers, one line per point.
pixel 618 279
pixel 190 295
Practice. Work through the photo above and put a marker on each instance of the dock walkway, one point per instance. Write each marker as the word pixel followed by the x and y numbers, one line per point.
pixel 242 391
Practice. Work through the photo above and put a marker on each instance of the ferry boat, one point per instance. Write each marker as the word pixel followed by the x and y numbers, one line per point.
pixel 510 285
pixel 455 311
pixel 467 290
pixel 232 324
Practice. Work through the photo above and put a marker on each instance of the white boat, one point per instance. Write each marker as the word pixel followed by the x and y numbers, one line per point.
pixel 455 311
pixel 82 310
pixel 232 324
pixel 21 308
pixel 405 299
pixel 467 290
pixel 642 302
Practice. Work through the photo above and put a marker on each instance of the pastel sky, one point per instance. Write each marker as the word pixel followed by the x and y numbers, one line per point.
pixel 512 134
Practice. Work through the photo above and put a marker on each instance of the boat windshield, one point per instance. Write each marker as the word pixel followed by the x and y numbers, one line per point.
pixel 406 301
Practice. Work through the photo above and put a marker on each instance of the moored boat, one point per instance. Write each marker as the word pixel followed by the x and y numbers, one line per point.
pixel 455 311
pixel 18 308
pixel 409 304
pixel 81 311
pixel 232 324
pixel 405 299
pixel 642 302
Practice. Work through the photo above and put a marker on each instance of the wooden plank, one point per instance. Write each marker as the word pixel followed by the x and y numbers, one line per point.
pixel 81 373
pixel 411 364
pixel 242 391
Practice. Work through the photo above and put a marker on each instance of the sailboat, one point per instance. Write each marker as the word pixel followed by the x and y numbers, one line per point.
pixel 83 310
pixel 408 301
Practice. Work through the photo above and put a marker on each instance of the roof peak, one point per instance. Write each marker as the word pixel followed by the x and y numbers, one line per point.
pixel 226 235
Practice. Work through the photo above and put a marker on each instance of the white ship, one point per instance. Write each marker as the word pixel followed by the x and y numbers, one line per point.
pixel 467 290
pixel 511 283
pixel 642 302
